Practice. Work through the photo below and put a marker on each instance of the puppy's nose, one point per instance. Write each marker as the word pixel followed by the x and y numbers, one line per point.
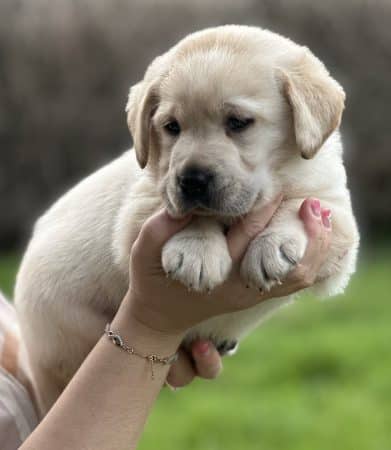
pixel 194 182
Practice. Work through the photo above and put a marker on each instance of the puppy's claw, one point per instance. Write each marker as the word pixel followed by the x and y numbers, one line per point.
pixel 287 257
pixel 201 276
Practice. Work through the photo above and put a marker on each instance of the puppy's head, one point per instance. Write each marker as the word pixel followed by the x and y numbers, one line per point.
pixel 216 115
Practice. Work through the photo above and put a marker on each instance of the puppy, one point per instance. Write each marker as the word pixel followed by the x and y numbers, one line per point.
pixel 221 123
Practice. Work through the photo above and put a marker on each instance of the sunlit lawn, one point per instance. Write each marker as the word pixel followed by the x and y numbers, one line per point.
pixel 316 377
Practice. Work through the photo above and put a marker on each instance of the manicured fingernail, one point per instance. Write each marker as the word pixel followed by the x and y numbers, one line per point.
pixel 326 218
pixel 315 207
pixel 202 348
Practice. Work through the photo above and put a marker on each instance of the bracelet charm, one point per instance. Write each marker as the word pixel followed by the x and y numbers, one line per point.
pixel 117 340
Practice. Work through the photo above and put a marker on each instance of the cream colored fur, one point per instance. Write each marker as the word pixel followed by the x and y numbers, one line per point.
pixel 75 270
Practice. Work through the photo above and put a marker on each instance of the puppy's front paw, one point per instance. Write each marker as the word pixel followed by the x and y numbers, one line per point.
pixel 270 257
pixel 197 262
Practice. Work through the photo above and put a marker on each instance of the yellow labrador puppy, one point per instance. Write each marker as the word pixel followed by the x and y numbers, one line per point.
pixel 221 123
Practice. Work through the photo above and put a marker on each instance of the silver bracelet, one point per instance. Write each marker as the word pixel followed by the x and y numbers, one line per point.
pixel 117 340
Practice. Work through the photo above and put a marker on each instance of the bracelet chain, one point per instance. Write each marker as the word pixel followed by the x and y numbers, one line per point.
pixel 117 340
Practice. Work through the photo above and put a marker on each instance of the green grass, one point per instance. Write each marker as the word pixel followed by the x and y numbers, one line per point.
pixel 8 266
pixel 315 377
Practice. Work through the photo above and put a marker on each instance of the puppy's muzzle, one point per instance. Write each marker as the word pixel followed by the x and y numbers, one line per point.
pixel 196 185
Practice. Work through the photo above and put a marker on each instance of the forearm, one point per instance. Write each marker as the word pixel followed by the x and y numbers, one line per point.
pixel 107 402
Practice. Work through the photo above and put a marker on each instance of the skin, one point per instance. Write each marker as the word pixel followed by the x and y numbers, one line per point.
pixel 109 411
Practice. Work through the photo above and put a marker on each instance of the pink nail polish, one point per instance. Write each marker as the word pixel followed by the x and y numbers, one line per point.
pixel 326 218
pixel 315 207
pixel 202 348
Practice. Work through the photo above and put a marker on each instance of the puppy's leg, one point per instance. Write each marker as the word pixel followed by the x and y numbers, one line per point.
pixel 277 250
pixel 57 339
pixel 198 255
pixel 47 386
pixel 139 203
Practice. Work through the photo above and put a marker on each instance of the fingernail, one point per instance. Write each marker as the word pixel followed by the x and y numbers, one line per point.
pixel 202 348
pixel 315 207
pixel 326 218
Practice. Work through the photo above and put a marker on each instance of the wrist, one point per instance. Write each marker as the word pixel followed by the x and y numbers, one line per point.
pixel 143 331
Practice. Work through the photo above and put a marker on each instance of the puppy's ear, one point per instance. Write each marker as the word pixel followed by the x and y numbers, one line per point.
pixel 316 100
pixel 142 103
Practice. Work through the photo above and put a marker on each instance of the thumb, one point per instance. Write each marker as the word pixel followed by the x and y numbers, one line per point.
pixel 244 231
pixel 156 231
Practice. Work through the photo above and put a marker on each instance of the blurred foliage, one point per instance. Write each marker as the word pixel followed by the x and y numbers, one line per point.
pixel 8 267
pixel 316 376
pixel 66 67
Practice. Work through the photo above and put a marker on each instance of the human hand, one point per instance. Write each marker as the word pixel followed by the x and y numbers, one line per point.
pixel 167 306
pixel 181 309
pixel 160 302
pixel 203 360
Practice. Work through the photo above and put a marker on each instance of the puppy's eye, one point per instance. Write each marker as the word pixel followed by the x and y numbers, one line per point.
pixel 237 124
pixel 173 128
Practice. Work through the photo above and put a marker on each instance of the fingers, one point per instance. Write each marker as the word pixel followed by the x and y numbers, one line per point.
pixel 206 364
pixel 207 359
pixel 156 231
pixel 240 234
pixel 182 371
pixel 317 223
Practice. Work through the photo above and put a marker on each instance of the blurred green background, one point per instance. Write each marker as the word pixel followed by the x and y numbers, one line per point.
pixel 317 375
